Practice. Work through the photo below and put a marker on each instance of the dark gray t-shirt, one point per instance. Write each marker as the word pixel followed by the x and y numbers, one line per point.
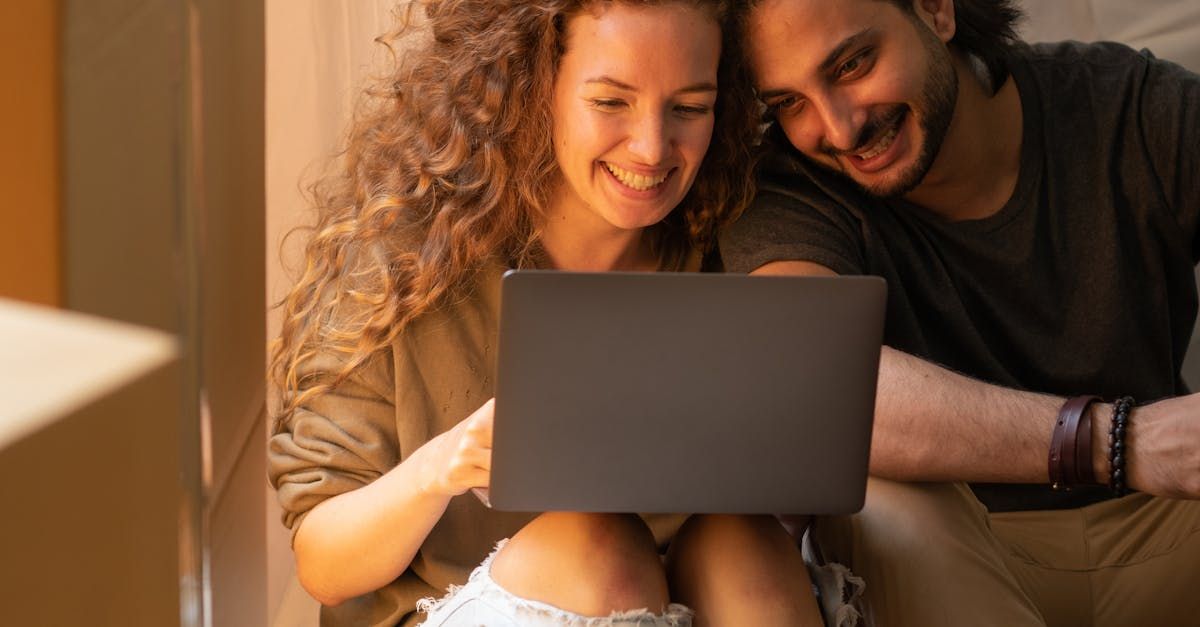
pixel 1081 283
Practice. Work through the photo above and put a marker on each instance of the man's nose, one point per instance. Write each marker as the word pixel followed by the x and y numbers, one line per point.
pixel 842 123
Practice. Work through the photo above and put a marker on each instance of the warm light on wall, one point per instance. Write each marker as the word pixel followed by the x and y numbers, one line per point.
pixel 29 164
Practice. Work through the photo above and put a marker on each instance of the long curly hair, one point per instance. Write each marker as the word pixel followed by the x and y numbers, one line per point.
pixel 449 165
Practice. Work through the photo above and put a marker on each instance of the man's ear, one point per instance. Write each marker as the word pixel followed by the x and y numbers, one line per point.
pixel 938 15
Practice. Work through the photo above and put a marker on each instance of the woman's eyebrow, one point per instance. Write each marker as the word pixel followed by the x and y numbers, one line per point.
pixel 698 87
pixel 612 82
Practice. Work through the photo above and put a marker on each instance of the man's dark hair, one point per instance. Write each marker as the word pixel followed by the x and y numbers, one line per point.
pixel 985 29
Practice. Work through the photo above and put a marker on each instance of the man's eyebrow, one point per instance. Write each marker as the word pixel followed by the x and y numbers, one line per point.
pixel 830 60
pixel 612 82
pixel 771 93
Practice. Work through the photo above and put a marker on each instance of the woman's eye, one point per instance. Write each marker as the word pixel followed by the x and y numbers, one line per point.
pixel 692 110
pixel 608 104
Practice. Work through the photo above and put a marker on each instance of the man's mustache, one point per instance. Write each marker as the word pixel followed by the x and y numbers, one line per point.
pixel 876 126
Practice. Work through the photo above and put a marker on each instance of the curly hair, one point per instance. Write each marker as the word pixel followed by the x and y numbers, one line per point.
pixel 449 164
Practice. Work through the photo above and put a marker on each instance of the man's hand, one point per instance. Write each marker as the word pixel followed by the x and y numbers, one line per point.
pixel 1163 441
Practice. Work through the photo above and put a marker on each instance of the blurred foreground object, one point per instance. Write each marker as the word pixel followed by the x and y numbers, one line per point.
pixel 89 470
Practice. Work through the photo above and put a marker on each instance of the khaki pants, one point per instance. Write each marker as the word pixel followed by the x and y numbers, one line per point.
pixel 932 555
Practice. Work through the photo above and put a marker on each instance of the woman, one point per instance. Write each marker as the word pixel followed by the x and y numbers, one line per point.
pixel 568 134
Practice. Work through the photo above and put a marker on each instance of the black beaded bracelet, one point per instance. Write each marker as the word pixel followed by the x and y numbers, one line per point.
pixel 1116 445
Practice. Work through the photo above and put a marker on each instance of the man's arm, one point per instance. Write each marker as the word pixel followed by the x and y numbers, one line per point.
pixel 932 424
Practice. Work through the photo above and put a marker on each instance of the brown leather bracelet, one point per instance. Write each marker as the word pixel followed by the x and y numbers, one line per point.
pixel 1085 470
pixel 1056 439
pixel 1066 456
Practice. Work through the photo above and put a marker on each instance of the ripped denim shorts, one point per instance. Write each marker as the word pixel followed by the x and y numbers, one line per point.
pixel 481 601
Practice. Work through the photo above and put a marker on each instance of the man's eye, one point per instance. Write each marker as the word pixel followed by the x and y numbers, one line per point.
pixel 853 65
pixel 786 104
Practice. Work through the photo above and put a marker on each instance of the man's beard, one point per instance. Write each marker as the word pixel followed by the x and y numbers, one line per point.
pixel 935 108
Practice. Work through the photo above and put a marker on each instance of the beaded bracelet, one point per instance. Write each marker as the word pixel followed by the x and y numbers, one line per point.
pixel 1116 445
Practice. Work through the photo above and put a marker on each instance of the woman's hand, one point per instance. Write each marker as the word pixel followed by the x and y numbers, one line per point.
pixel 461 458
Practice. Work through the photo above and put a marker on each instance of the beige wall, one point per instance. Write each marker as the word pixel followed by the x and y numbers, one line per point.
pixel 29 164
pixel 123 62
pixel 1168 28
pixel 164 218
pixel 228 120
pixel 317 51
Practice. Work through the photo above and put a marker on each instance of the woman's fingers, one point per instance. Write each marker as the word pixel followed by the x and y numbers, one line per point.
pixel 467 477
pixel 464 454
pixel 481 458
pixel 479 427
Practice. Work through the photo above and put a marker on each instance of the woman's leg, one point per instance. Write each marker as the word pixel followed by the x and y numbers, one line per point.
pixel 740 570
pixel 588 564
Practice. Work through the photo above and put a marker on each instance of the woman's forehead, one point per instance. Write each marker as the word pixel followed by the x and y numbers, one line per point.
pixel 644 40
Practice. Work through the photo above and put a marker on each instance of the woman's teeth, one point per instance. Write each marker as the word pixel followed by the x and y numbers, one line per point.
pixel 883 144
pixel 632 180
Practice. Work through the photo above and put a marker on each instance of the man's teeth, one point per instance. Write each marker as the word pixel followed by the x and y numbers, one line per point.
pixel 632 180
pixel 883 144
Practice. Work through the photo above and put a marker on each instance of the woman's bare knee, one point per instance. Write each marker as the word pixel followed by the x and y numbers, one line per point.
pixel 589 564
pixel 720 542
pixel 741 568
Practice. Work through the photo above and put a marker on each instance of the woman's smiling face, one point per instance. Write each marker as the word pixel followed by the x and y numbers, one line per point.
pixel 633 111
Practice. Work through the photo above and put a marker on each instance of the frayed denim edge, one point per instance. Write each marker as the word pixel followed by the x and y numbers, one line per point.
pixel 841 594
pixel 676 615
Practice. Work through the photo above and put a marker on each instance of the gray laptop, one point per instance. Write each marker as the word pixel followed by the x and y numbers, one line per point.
pixel 679 392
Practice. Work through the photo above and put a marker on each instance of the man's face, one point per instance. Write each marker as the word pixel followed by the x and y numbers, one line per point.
pixel 860 87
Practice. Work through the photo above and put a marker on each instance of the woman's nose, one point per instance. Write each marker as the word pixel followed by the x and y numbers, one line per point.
pixel 648 142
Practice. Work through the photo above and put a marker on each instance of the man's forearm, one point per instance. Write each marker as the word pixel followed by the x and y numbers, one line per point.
pixel 932 424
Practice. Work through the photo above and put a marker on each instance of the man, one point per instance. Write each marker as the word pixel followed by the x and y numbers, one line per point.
pixel 1034 210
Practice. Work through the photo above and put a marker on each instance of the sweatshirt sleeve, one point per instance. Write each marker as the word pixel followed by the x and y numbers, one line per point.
pixel 335 442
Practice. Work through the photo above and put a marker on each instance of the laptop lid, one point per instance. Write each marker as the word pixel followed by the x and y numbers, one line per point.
pixel 684 392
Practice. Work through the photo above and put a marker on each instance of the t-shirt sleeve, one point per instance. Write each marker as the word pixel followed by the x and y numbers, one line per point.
pixel 783 227
pixel 335 442
pixel 1170 109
